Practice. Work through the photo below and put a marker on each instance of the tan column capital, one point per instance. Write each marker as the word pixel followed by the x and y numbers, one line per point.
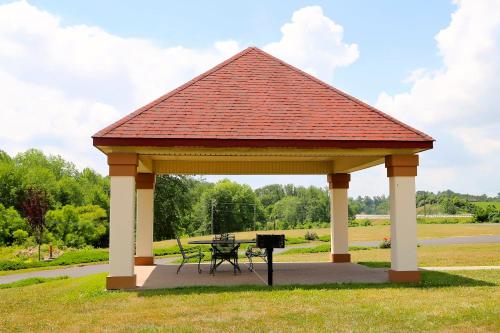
pixel 401 165
pixel 122 164
pixel 145 181
pixel 338 180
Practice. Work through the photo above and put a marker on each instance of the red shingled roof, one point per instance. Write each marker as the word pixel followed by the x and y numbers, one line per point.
pixel 254 99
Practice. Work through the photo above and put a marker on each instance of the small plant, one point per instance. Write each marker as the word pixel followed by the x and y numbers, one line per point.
pixel 20 236
pixel 311 235
pixel 352 223
pixel 386 243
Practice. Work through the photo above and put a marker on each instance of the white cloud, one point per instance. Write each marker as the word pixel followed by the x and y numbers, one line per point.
pixel 313 42
pixel 61 84
pixel 458 104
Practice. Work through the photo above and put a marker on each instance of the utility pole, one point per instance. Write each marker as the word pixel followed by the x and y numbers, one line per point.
pixel 254 221
pixel 212 219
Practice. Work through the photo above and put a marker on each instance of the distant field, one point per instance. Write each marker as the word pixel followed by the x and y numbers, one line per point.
pixel 428 255
pixel 484 204
pixel 371 233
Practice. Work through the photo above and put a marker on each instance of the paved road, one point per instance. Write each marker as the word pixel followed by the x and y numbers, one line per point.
pixel 78 271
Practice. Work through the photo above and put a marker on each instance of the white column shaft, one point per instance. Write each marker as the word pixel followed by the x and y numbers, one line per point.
pixel 339 220
pixel 121 226
pixel 144 230
pixel 403 223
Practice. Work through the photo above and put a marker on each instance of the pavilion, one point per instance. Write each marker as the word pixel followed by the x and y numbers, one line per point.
pixel 255 114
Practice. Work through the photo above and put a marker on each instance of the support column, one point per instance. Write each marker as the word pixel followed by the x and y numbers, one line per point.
pixel 339 201
pixel 122 171
pixel 402 170
pixel 144 230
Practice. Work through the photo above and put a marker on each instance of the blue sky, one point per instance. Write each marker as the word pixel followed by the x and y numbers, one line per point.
pixel 395 37
pixel 69 68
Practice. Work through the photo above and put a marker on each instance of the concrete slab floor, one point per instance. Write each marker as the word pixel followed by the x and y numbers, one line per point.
pixel 164 276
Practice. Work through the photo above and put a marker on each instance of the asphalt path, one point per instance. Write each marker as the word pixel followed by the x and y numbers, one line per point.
pixel 77 271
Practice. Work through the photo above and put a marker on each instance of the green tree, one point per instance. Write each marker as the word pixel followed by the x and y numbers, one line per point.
pixel 173 204
pixel 10 222
pixel 235 207
pixel 78 226
pixel 269 195
pixel 316 204
pixel 288 212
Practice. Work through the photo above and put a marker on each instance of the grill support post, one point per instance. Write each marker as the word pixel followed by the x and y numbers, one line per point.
pixel 269 266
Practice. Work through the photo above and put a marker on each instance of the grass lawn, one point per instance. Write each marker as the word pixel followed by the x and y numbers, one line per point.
pixel 454 301
pixel 484 204
pixel 428 255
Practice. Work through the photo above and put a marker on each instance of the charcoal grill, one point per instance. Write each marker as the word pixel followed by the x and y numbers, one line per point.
pixel 270 242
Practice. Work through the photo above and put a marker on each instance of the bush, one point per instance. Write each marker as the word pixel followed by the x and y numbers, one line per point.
pixel 360 223
pixel 78 226
pixel 11 265
pixel 20 236
pixel 386 243
pixel 10 222
pixel 489 214
pixel 311 235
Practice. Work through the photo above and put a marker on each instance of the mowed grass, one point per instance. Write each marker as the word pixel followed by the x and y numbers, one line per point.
pixel 484 204
pixel 454 301
pixel 370 233
pixel 428 255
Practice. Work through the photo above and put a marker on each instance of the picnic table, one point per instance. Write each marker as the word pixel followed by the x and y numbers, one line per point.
pixel 216 245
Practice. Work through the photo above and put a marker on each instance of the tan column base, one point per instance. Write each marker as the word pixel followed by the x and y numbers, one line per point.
pixel 120 282
pixel 404 276
pixel 144 261
pixel 341 257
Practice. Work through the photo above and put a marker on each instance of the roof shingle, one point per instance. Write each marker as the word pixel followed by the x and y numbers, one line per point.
pixel 255 96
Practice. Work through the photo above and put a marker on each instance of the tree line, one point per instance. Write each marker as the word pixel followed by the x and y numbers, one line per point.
pixel 77 204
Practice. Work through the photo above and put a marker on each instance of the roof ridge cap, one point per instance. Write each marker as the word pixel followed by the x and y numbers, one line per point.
pixel 173 92
pixel 352 98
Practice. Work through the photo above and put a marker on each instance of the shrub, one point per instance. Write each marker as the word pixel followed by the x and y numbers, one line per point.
pixel 10 221
pixel 311 235
pixel 352 223
pixel 386 243
pixel 488 214
pixel 20 236
pixel 365 223
pixel 11 265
